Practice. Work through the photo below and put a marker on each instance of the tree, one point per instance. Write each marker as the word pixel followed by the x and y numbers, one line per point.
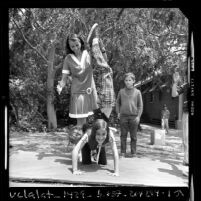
pixel 142 40
pixel 38 49
pixel 145 41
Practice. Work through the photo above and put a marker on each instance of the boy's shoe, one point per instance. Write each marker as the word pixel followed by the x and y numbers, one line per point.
pixel 92 34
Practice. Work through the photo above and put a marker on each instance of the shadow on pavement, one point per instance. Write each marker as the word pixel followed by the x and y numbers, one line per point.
pixel 174 171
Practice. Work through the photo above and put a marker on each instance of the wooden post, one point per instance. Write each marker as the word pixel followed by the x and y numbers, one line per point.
pixel 158 137
pixel 180 111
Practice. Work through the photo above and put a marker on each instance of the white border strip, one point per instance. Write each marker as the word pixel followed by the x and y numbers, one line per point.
pixel 6 115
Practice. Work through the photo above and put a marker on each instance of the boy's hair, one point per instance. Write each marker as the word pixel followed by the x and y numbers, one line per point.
pixel 98 124
pixel 129 75
pixel 73 37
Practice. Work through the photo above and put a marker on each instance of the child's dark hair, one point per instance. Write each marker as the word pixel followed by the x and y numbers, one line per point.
pixel 98 124
pixel 74 37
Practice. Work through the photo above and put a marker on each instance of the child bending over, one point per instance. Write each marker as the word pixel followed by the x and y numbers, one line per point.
pixel 93 141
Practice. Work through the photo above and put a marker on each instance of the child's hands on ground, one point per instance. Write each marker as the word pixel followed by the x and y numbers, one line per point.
pixel 114 174
pixel 78 172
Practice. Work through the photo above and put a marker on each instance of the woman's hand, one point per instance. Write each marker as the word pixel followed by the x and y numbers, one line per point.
pixel 114 174
pixel 59 87
pixel 78 172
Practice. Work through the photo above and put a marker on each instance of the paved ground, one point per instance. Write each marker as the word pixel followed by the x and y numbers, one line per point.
pixel 43 159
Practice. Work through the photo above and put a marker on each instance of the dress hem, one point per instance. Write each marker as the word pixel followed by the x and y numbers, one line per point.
pixel 80 115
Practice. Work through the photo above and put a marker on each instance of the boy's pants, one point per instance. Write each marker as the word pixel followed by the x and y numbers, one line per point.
pixel 128 124
pixel 165 124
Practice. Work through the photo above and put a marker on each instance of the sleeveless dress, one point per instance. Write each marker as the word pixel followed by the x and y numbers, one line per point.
pixel 83 91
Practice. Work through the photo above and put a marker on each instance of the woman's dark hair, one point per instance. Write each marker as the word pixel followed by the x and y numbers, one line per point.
pixel 74 37
pixel 98 124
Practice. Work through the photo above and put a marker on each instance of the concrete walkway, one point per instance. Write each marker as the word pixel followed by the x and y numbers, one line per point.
pixel 44 158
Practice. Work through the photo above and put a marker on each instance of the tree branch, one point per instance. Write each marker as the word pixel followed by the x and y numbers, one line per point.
pixel 180 50
pixel 58 66
pixel 43 97
pixel 151 32
pixel 29 42
pixel 106 30
pixel 82 19
pixel 42 117
pixel 120 13
pixel 38 26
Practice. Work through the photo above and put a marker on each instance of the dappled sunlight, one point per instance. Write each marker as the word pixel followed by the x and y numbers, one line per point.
pixel 56 143
pixel 51 153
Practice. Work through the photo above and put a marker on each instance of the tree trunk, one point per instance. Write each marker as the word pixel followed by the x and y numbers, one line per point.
pixel 51 114
pixel 13 114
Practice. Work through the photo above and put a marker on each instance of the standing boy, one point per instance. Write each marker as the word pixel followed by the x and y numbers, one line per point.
pixel 165 114
pixel 129 107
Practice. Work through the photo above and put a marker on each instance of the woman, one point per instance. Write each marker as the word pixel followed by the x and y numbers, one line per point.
pixel 77 66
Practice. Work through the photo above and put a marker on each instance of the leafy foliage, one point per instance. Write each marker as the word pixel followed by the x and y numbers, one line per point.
pixel 145 41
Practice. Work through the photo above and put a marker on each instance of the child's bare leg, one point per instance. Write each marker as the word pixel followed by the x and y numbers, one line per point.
pixel 97 46
pixel 98 55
